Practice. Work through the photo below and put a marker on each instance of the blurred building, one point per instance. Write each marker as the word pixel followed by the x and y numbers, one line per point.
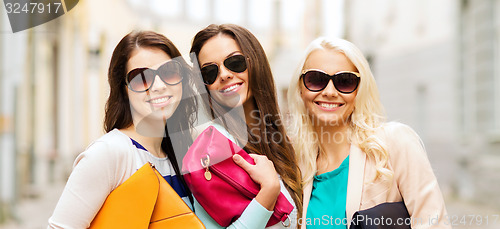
pixel 11 56
pixel 54 86
pixel 436 64
pixel 53 77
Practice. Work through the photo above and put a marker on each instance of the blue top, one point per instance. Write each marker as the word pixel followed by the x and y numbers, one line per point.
pixel 328 199
pixel 168 173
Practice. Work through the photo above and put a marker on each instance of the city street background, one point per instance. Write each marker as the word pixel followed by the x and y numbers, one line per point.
pixel 437 65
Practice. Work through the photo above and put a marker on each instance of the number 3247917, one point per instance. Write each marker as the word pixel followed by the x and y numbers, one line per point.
pixel 470 220
pixel 33 8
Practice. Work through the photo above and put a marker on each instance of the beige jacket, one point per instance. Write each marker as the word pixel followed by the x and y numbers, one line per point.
pixel 413 181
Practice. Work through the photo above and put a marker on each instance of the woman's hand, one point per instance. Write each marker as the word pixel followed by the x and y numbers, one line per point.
pixel 264 174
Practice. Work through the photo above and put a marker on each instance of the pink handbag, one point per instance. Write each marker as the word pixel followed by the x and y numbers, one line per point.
pixel 222 187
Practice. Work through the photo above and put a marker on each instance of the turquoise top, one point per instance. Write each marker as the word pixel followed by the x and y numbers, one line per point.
pixel 328 199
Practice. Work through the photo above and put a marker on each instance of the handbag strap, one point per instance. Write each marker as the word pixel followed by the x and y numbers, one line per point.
pixel 138 160
pixel 231 146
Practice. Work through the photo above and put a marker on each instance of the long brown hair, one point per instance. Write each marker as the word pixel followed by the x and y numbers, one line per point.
pixel 272 140
pixel 117 111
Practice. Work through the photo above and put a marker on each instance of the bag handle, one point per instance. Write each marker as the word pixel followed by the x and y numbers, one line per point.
pixel 231 146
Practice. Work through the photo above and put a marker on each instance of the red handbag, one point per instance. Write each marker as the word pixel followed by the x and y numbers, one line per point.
pixel 222 187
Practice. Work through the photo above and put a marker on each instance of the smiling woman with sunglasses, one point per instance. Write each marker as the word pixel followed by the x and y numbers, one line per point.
pixel 351 159
pixel 150 89
pixel 236 73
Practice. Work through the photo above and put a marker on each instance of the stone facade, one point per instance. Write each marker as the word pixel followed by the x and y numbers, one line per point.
pixel 436 63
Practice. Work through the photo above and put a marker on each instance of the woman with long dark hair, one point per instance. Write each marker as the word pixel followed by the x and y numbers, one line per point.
pixel 150 90
pixel 236 73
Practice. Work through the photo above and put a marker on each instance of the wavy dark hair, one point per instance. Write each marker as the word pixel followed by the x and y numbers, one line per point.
pixel 117 111
pixel 261 85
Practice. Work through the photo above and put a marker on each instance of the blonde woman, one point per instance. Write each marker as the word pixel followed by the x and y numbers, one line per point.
pixel 350 158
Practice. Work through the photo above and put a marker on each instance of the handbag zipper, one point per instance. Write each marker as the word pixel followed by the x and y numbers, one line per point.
pixel 235 184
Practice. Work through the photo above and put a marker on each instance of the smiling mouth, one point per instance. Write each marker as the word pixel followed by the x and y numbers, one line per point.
pixel 230 88
pixel 159 100
pixel 329 105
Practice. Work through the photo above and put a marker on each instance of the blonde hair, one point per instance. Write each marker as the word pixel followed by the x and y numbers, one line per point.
pixel 367 116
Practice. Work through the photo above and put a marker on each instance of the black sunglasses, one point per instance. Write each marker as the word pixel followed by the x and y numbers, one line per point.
pixel 316 80
pixel 236 63
pixel 142 79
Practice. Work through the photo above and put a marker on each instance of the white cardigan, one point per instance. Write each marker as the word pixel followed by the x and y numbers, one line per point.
pixel 102 167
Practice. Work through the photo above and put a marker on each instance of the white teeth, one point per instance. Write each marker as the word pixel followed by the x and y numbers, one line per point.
pixel 160 100
pixel 329 105
pixel 230 88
